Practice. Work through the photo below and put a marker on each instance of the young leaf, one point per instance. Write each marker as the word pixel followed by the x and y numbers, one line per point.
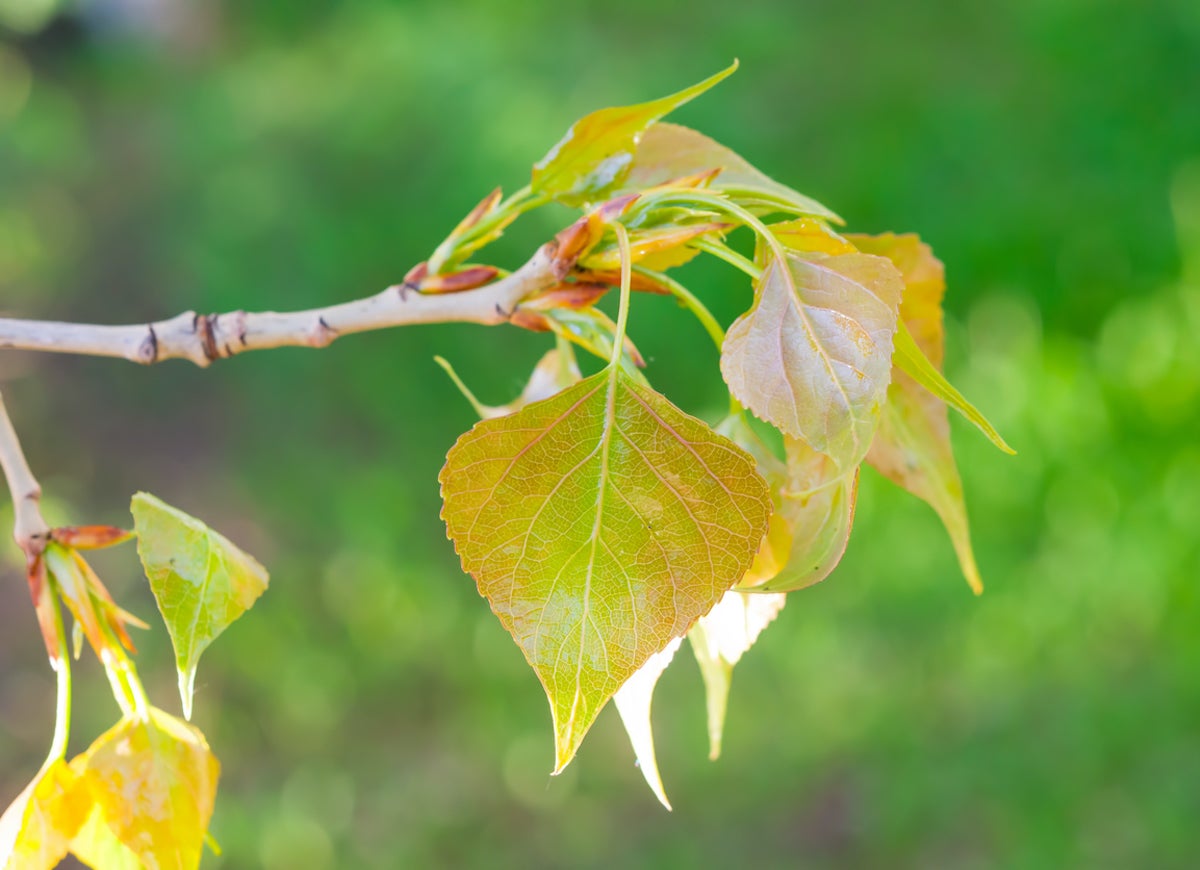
pixel 600 524
pixel 554 372
pixel 201 581
pixel 596 153
pixel 817 504
pixel 813 354
pixel 36 830
pixel 668 151
pixel 912 447
pixel 719 640
pixel 152 781
pixel 633 702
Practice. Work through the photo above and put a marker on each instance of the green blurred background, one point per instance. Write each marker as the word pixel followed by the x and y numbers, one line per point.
pixel 159 155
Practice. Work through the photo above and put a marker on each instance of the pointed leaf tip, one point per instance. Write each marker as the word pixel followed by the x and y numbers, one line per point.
pixel 633 702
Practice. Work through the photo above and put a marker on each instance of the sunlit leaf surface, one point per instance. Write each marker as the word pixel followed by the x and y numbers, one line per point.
pixel 633 701
pixel 152 781
pixel 812 355
pixel 201 580
pixel 36 829
pixel 719 640
pixel 600 524
pixel 597 152
pixel 912 446
pixel 669 151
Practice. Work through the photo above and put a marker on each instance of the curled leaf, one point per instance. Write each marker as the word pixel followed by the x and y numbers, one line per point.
pixel 597 151
pixel 719 639
pixel 89 537
pixel 200 579
pixel 600 524
pixel 633 702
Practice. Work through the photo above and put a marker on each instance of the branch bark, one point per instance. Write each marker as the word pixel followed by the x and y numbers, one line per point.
pixel 203 338
pixel 29 528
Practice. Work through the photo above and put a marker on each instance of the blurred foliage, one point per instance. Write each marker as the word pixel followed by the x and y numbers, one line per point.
pixel 157 155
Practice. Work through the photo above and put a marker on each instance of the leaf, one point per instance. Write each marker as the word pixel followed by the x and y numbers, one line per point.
pixel 600 524
pixel 153 781
pixel 805 235
pixel 719 640
pixel 597 151
pixel 813 354
pixel 817 504
pixel 912 447
pixel 201 581
pixel 633 702
pixel 554 372
pixel 36 829
pixel 668 151
pixel 98 847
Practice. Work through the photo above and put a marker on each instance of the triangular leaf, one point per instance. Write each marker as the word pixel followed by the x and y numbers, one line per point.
pixel 153 781
pixel 719 640
pixel 201 581
pixel 36 829
pixel 633 702
pixel 912 447
pixel 597 152
pixel 669 151
pixel 600 524
pixel 813 354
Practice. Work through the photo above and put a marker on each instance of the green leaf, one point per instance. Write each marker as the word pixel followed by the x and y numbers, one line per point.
pixel 912 447
pixel 153 781
pixel 201 581
pixel 597 151
pixel 633 702
pixel 670 151
pixel 719 640
pixel 911 360
pixel 813 354
pixel 600 524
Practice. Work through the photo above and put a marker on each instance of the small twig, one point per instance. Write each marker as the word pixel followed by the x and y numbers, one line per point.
pixel 203 338
pixel 29 528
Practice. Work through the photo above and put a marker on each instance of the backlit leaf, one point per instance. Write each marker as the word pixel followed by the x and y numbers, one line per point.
pixel 36 830
pixel 813 354
pixel 719 640
pixel 912 447
pixel 597 152
pixel 152 781
pixel 98 847
pixel 633 702
pixel 669 151
pixel 600 524
pixel 201 581
pixel 554 372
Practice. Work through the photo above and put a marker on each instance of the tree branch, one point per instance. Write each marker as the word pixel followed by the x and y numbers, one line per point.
pixel 29 528
pixel 203 338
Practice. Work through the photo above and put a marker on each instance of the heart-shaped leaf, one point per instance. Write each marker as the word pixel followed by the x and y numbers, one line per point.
pixel 669 151
pixel 595 155
pixel 912 447
pixel 600 524
pixel 201 581
pixel 813 354
pixel 152 781
pixel 633 701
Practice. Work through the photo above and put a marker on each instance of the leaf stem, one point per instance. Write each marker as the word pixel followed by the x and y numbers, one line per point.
pixel 626 283
pixel 62 670
pixel 723 252
pixel 689 301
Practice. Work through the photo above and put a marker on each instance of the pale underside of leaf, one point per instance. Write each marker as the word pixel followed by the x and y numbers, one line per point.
pixel 600 524
pixel 719 640
pixel 670 151
pixel 813 354
pixel 200 579
pixel 634 700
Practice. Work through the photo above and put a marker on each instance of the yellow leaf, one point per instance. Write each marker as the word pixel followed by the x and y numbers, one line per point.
pixel 809 235
pixel 719 641
pixel 600 524
pixel 36 830
pixel 633 702
pixel 153 782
